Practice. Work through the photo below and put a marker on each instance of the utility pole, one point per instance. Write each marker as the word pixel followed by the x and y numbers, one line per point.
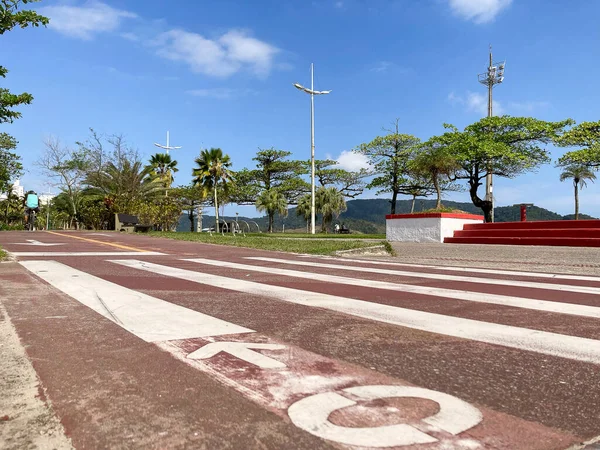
pixel 167 147
pixel 312 93
pixel 493 76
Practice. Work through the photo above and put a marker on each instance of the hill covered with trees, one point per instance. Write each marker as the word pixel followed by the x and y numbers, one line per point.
pixel 368 215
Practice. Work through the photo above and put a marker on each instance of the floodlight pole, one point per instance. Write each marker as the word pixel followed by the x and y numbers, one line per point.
pixel 493 76
pixel 312 149
pixel 489 181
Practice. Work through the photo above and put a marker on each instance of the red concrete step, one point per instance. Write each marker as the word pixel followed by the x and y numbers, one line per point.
pixel 542 224
pixel 533 232
pixel 557 241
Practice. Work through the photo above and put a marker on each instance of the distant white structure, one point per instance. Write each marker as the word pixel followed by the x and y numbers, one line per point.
pixel 17 189
pixel 45 199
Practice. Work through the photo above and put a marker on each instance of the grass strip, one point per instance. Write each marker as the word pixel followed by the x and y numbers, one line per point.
pixel 308 246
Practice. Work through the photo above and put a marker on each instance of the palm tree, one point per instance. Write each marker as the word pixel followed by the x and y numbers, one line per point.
pixel 579 174
pixel 162 167
pixel 329 202
pixel 212 171
pixel 303 208
pixel 125 186
pixel 12 207
pixel 272 201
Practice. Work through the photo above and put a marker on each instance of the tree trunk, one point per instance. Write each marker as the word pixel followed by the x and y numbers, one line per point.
pixel 393 202
pixel 412 205
pixel 576 184
pixel 436 184
pixel 271 219
pixel 486 206
pixel 216 210
pixel 191 217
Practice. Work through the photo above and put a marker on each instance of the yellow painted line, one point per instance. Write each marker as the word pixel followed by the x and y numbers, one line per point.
pixel 125 247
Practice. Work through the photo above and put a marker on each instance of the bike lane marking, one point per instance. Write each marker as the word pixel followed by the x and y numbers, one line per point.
pixel 95 241
pixel 325 397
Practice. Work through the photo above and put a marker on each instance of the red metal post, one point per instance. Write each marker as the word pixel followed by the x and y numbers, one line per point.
pixel 523 213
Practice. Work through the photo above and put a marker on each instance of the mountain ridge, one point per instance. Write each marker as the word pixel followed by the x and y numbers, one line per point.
pixel 368 215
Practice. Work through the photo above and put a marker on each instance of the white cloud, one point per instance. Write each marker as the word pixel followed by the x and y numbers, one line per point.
pixel 221 57
pixel 352 161
pixel 85 21
pixel 476 102
pixel 479 11
pixel 381 67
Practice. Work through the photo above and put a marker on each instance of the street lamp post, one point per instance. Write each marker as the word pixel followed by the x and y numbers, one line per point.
pixel 312 93
pixel 167 147
pixel 493 76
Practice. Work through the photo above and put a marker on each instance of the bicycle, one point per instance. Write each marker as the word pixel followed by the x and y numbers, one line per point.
pixel 31 220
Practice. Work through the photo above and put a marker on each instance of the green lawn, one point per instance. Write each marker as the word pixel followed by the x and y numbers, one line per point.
pixel 317 236
pixel 3 254
pixel 266 241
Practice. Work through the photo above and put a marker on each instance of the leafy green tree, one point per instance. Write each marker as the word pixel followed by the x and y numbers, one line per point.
pixel 330 203
pixel 212 171
pixel 191 198
pixel 272 201
pixel 162 168
pixel 437 165
pixel 587 136
pixel 579 174
pixel 502 146
pixel 10 163
pixel 390 156
pixel 273 171
pixel 348 183
pixel 417 185
pixel 11 17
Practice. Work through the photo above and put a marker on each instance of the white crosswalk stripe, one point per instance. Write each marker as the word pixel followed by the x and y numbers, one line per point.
pixel 506 273
pixel 437 276
pixel 576 348
pixel 517 302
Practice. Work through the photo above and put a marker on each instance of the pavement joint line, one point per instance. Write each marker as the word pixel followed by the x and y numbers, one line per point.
pixel 124 247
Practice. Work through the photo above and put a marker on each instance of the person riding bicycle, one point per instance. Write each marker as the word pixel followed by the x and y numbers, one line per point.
pixel 31 202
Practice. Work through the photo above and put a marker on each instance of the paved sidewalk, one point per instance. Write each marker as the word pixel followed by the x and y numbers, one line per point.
pixel 581 260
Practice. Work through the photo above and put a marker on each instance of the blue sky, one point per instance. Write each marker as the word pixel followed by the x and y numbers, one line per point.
pixel 220 74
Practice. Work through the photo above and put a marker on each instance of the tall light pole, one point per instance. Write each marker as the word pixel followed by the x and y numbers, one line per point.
pixel 312 93
pixel 493 76
pixel 167 147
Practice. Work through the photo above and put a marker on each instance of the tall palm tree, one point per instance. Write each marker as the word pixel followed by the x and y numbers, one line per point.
pixel 272 201
pixel 163 167
pixel 579 174
pixel 330 203
pixel 12 206
pixel 212 171
pixel 303 208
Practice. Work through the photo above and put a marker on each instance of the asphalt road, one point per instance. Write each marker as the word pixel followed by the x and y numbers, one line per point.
pixel 142 342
